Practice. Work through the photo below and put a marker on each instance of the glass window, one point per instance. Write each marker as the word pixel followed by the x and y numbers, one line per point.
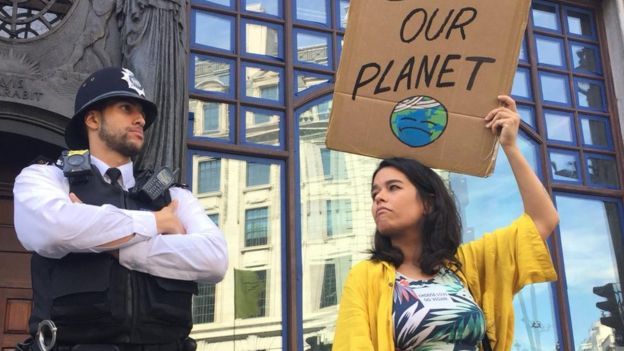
pixel 250 293
pixel 560 126
pixel 227 3
pixel 312 10
pixel 256 226
pixel 210 119
pixel 585 57
pixel 263 126
pixel 555 88
pixel 308 80
pixel 213 30
pixel 596 132
pixel 204 304
pixel 333 164
pixel 258 173
pixel 344 13
pixel 263 82
pixel 522 56
pixel 212 75
pixel 328 290
pixel 565 166
pixel 527 115
pixel 270 7
pixel 209 177
pixel 262 39
pixel 580 23
pixel 313 48
pixel 522 84
pixel 339 220
pixel 589 229
pixel 549 51
pixel 214 217
pixel 545 16
pixel 589 94
pixel 258 296
pixel 602 170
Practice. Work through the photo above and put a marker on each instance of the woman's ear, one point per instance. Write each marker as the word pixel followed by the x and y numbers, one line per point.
pixel 428 203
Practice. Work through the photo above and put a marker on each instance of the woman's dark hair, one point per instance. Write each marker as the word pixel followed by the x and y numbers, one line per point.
pixel 441 227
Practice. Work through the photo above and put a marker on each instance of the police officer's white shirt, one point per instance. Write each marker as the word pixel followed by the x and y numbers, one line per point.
pixel 49 223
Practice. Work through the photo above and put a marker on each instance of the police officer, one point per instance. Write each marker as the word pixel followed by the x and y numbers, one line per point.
pixel 114 266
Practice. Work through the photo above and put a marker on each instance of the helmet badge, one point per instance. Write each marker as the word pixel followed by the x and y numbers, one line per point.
pixel 133 83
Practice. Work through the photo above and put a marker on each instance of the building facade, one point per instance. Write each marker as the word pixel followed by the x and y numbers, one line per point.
pixel 296 215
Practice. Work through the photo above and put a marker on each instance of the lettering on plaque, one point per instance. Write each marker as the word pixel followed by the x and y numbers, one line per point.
pixel 18 88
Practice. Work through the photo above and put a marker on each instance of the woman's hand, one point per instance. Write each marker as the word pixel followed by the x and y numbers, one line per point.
pixel 504 121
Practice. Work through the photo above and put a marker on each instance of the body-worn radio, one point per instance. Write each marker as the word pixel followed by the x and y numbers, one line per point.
pixel 155 185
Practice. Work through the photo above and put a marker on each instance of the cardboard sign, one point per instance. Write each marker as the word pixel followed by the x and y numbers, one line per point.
pixel 417 77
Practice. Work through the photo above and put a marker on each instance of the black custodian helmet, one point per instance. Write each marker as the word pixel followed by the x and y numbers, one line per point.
pixel 104 84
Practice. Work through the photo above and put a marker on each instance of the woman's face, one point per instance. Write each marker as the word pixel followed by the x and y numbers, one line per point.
pixel 397 206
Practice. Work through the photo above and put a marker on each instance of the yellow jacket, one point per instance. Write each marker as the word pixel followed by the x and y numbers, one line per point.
pixel 494 268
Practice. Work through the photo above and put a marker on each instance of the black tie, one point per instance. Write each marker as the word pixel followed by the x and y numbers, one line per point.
pixel 114 174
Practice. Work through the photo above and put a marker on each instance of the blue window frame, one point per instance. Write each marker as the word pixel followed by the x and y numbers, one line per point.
pixel 272 46
pixel 258 174
pixel 306 82
pixel 545 16
pixel 212 31
pixel 315 12
pixel 216 3
pixel 550 51
pixel 210 75
pixel 523 56
pixel 555 89
pixel 256 226
pixel 209 176
pixel 521 88
pixel 269 8
pixel 565 166
pixel 262 127
pixel 596 132
pixel 602 170
pixel 590 94
pixel 313 48
pixel 579 23
pixel 264 82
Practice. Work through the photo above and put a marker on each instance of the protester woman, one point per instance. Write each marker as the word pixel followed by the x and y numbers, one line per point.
pixel 424 290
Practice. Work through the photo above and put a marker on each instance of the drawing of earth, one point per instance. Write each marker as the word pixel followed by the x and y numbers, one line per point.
pixel 418 120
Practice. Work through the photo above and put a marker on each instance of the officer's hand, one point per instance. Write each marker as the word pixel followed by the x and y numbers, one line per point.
pixel 167 222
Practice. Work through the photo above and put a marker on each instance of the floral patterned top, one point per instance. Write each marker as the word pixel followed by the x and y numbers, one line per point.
pixel 435 314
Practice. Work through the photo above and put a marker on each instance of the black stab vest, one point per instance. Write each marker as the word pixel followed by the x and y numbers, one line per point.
pixel 93 299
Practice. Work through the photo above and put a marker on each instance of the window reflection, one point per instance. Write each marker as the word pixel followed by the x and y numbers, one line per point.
pixel 559 126
pixel 262 83
pixel 589 229
pixel 527 115
pixel 312 10
pixel 262 40
pixel 589 94
pixel 213 30
pixel 244 311
pixel 564 166
pixel 595 132
pixel 263 127
pixel 585 57
pixel 306 81
pixel 336 225
pixel 212 75
pixel 549 51
pixel 344 12
pixel 579 23
pixel 270 7
pixel 313 48
pixel 602 170
pixel 545 16
pixel 555 88
pixel 210 119
pixel 522 84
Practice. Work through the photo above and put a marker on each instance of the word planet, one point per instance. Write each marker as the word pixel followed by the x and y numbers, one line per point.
pixel 418 120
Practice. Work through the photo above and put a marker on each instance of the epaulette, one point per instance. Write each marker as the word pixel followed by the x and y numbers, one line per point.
pixel 43 160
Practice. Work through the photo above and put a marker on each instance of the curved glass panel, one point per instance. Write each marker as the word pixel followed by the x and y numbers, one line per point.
pixel 245 198
pixel 589 230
